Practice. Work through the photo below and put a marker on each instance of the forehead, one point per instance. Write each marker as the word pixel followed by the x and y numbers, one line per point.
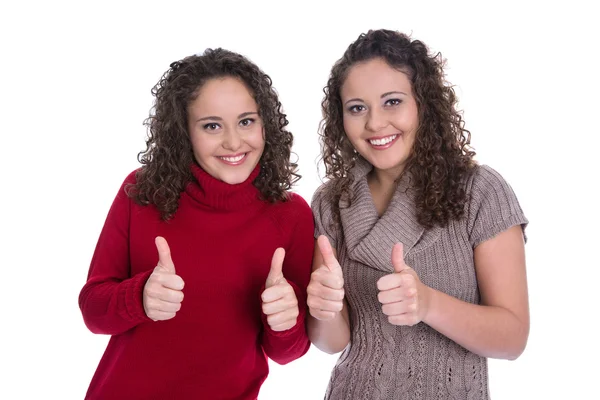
pixel 223 94
pixel 376 77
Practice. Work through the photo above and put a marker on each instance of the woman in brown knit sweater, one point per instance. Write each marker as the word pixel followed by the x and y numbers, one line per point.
pixel 419 273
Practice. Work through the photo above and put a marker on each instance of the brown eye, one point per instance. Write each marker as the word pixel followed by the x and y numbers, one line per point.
pixel 393 102
pixel 356 109
pixel 211 126
pixel 246 122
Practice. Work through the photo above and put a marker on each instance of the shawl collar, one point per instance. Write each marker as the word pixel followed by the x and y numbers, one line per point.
pixel 370 238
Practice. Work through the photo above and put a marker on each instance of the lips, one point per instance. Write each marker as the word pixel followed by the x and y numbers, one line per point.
pixel 235 159
pixel 384 142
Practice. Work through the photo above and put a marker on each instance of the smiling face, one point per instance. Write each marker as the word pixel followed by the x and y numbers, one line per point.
pixel 380 114
pixel 225 130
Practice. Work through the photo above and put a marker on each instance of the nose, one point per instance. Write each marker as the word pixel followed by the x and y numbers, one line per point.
pixel 232 140
pixel 376 121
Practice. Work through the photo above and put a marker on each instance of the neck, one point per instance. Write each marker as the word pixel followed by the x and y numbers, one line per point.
pixel 385 179
pixel 219 195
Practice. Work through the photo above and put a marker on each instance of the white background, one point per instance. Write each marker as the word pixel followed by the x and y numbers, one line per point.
pixel 75 88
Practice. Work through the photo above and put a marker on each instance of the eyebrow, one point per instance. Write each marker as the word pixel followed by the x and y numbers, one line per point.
pixel 382 96
pixel 215 118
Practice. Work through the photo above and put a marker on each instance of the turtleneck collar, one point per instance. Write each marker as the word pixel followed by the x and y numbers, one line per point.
pixel 220 195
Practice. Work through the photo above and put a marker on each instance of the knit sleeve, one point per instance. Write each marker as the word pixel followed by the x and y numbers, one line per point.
pixel 322 209
pixel 493 206
pixel 111 300
pixel 297 223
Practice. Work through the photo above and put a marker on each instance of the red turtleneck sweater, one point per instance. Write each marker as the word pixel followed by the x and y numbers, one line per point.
pixel 222 238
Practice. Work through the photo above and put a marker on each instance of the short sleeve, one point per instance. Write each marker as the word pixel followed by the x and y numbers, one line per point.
pixel 322 208
pixel 493 206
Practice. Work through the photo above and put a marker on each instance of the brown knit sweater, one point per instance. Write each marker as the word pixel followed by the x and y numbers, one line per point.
pixel 384 361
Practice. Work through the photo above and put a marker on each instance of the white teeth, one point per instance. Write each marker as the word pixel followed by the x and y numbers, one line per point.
pixel 381 142
pixel 233 159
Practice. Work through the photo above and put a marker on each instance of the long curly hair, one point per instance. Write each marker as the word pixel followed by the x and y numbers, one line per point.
pixel 168 156
pixel 441 156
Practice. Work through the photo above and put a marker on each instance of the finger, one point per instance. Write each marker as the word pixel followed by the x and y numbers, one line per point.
pixel 398 257
pixel 325 277
pixel 169 295
pixel 324 305
pixel 407 319
pixel 325 292
pixel 164 254
pixel 280 305
pixel 390 296
pixel 407 278
pixel 278 292
pixel 389 282
pixel 402 293
pixel 283 317
pixel 276 272
pixel 171 281
pixel 160 315
pixel 285 326
pixel 327 252
pixel 164 306
pixel 399 308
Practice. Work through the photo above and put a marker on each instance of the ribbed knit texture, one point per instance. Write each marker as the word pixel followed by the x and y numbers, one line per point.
pixel 384 361
pixel 222 239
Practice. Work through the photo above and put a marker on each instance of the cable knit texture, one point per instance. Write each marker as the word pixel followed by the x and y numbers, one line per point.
pixel 384 361
pixel 222 239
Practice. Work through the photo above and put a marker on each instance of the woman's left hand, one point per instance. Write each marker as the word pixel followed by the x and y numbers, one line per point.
pixel 404 298
pixel 279 302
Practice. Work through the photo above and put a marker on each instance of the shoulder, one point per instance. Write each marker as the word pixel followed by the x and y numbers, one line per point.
pixel 492 205
pixel 294 207
pixel 485 180
pixel 323 196
pixel 296 203
pixel 485 185
pixel 131 178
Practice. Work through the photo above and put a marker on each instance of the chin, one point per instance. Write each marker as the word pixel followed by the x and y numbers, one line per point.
pixel 234 180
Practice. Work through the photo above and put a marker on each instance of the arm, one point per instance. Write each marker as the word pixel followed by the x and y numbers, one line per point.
pixel 499 327
pixel 328 321
pixel 284 346
pixel 111 300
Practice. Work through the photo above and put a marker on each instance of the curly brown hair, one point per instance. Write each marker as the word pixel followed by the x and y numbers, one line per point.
pixel 441 156
pixel 166 161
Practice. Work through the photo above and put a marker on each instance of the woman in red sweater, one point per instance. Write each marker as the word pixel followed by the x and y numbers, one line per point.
pixel 201 268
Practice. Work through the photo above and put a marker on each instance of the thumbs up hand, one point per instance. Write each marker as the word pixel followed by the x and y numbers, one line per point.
pixel 404 298
pixel 163 294
pixel 280 304
pixel 326 288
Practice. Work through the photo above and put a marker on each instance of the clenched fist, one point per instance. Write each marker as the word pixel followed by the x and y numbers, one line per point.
pixel 163 291
pixel 326 288
pixel 403 297
pixel 279 302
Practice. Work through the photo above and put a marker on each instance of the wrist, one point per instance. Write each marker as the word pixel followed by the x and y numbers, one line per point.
pixel 428 300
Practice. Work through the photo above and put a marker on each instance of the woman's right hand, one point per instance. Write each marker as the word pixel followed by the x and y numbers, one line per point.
pixel 163 290
pixel 326 288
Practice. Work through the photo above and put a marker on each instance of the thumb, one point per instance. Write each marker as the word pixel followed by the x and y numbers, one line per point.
pixel 398 258
pixel 327 252
pixel 164 254
pixel 276 272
